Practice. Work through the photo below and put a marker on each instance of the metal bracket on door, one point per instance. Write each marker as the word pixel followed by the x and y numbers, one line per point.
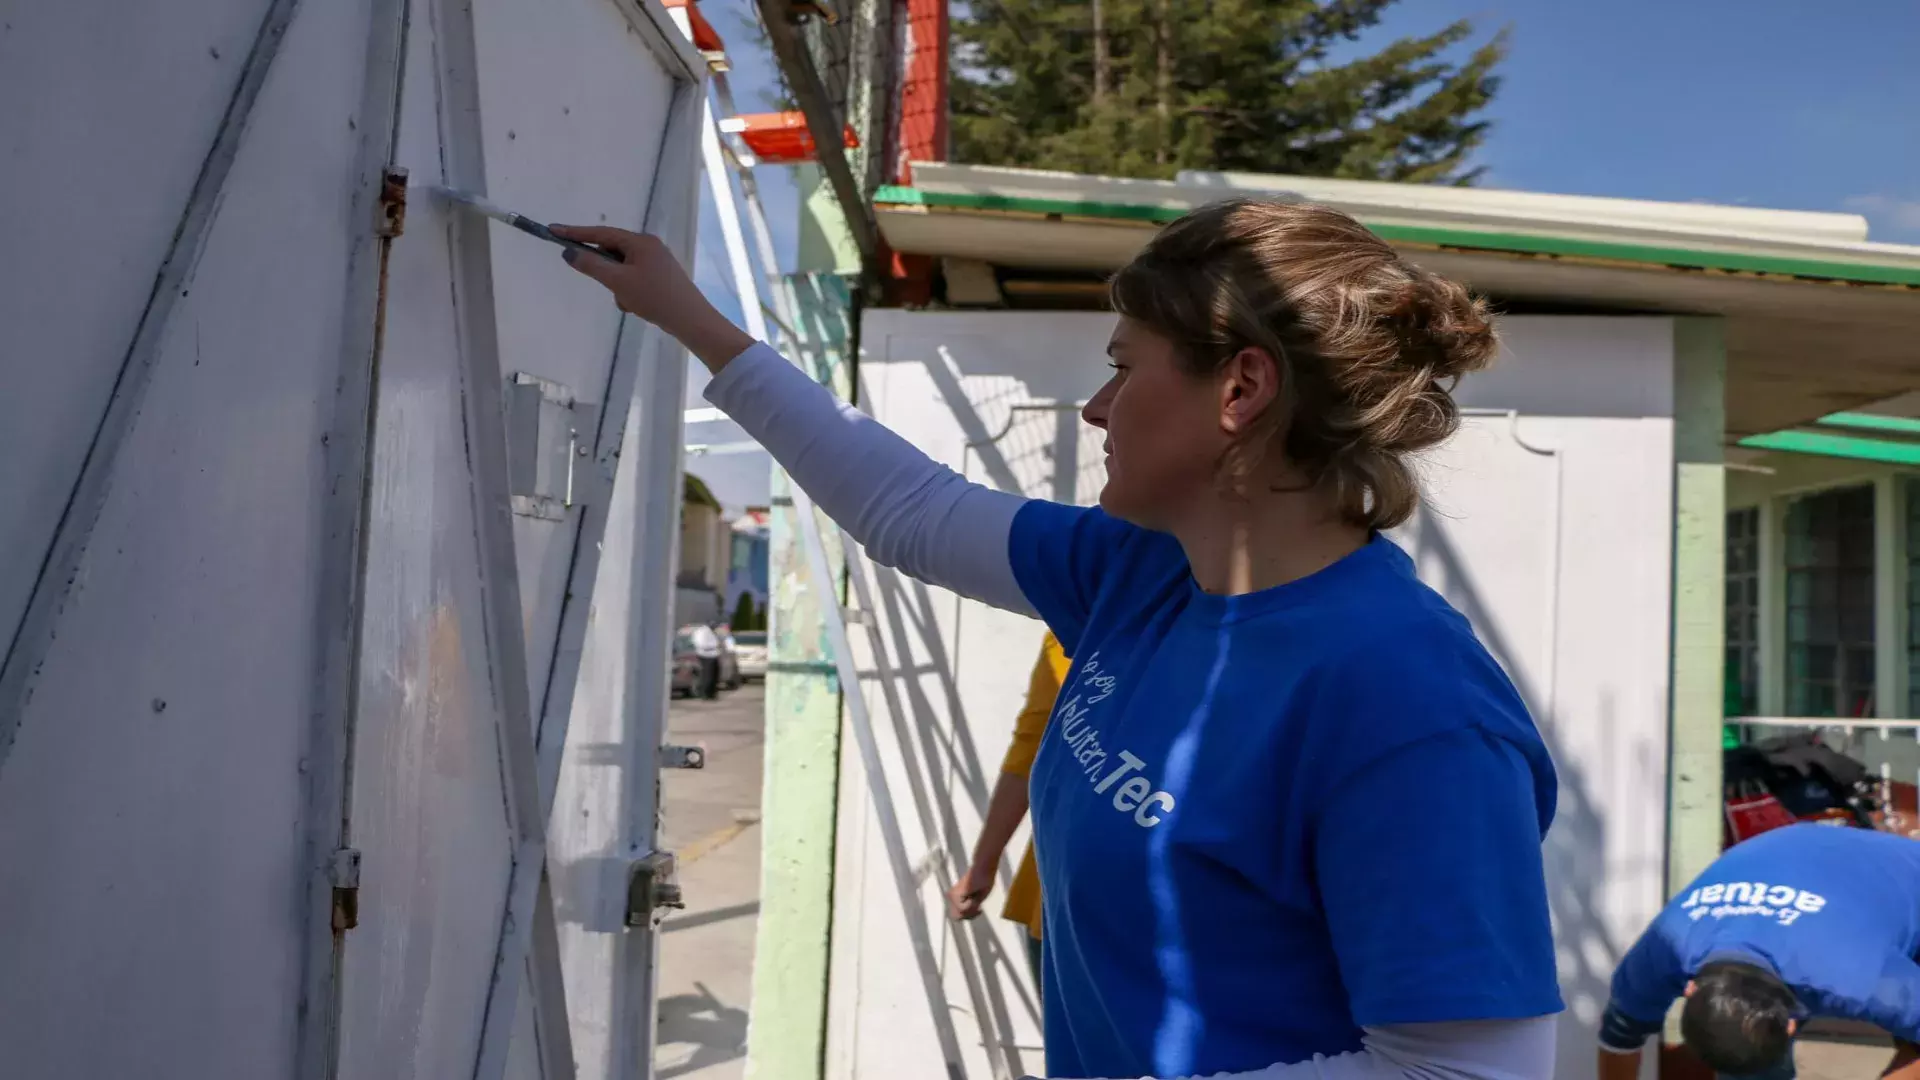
pixel 544 443
pixel 683 757
pixel 343 870
pixel 651 888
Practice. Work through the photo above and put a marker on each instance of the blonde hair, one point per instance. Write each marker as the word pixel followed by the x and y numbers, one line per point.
pixel 1369 346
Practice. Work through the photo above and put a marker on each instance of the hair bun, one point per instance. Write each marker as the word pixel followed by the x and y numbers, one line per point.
pixel 1445 329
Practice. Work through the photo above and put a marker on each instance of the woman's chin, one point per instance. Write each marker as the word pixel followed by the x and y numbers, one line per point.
pixel 1115 502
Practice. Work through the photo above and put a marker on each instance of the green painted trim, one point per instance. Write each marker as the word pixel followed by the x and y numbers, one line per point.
pixel 787 1038
pixel 1840 446
pixel 826 240
pixel 1466 239
pixel 1016 204
pixel 1698 701
pixel 1681 258
pixel 1870 422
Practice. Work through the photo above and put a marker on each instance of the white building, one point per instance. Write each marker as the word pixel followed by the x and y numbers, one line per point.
pixel 1582 519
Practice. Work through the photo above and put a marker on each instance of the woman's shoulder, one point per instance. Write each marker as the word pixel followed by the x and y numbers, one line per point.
pixel 1415 668
pixel 1086 542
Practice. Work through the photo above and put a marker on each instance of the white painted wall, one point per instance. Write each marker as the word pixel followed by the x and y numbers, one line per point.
pixel 1550 528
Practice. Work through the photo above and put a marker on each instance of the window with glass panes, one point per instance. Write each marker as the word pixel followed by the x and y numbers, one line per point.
pixel 1743 612
pixel 1829 603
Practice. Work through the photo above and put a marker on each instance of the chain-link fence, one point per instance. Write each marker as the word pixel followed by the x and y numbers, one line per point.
pixel 858 57
pixel 842 64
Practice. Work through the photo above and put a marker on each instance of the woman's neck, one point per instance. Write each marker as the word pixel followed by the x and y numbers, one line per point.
pixel 1237 546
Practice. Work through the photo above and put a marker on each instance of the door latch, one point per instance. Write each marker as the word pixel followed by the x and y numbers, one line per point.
pixel 343 873
pixel 651 888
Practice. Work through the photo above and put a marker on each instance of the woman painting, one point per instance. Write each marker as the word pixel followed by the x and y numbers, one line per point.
pixel 1259 677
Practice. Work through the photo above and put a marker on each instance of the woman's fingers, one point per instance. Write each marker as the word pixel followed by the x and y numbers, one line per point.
pixel 645 266
pixel 601 270
pixel 962 903
pixel 619 240
pixel 649 282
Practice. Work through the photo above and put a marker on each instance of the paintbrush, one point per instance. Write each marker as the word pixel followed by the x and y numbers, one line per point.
pixel 519 221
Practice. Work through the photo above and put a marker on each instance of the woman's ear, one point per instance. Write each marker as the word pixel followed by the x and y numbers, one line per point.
pixel 1249 386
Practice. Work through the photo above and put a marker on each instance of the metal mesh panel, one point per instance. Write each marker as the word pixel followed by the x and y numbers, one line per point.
pixel 858 57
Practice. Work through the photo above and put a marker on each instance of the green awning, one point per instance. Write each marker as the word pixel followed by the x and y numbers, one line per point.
pixel 1894 440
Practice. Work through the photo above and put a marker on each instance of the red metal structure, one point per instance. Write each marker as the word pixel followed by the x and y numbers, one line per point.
pixel 923 131
pixel 914 125
pixel 923 88
pixel 705 37
pixel 779 138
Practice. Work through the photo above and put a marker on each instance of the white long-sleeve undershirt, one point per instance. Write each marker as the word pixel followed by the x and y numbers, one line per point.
pixel 909 512
pixel 1454 1050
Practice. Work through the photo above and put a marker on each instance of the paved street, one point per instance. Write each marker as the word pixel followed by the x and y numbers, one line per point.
pixel 1825 1059
pixel 710 818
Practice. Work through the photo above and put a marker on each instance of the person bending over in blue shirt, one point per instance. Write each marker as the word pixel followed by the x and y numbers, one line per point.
pixel 1231 884
pixel 1805 921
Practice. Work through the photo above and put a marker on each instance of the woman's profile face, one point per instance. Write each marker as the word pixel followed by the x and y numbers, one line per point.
pixel 1164 429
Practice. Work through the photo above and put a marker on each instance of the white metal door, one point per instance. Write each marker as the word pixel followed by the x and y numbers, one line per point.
pixel 323 513
pixel 174 354
pixel 528 530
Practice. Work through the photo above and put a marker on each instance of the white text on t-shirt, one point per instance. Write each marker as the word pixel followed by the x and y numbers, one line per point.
pixel 1135 795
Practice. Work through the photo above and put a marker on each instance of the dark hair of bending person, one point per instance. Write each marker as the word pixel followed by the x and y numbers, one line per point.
pixel 1738 1019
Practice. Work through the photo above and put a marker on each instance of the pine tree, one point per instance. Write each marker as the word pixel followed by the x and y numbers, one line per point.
pixel 744 614
pixel 1146 88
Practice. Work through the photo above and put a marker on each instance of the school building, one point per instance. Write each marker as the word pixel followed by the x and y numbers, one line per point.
pixel 1684 508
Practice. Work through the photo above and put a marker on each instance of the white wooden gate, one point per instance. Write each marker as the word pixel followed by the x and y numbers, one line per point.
pixel 336 536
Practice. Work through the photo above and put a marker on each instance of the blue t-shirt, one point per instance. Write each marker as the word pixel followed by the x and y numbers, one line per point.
pixel 1265 821
pixel 1833 911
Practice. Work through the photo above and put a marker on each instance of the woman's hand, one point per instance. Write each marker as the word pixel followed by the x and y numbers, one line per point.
pixel 967 894
pixel 649 283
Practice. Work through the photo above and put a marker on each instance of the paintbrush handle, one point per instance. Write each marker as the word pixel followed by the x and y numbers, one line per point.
pixel 534 228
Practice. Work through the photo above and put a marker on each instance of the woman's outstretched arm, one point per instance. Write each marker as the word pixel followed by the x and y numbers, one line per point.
pixel 908 511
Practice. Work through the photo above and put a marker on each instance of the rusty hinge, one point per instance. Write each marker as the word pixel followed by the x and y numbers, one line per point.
pixel 393 204
pixel 344 874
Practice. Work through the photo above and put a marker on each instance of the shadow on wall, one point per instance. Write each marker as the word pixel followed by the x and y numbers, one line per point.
pixel 1575 847
pixel 943 758
pixel 952 770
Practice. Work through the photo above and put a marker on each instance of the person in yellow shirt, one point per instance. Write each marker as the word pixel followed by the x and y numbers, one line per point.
pixel 1008 808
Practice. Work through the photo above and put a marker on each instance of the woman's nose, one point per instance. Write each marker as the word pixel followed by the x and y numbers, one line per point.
pixel 1094 412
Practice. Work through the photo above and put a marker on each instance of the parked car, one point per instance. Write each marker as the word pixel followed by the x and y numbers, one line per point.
pixel 728 668
pixel 751 650
pixel 685 666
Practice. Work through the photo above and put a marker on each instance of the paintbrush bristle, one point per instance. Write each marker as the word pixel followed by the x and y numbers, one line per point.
pixel 469 199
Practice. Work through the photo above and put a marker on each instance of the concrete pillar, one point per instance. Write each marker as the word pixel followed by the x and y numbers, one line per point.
pixel 786 1037
pixel 1699 598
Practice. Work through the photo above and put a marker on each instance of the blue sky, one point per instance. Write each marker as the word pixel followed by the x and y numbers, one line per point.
pixel 1773 103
